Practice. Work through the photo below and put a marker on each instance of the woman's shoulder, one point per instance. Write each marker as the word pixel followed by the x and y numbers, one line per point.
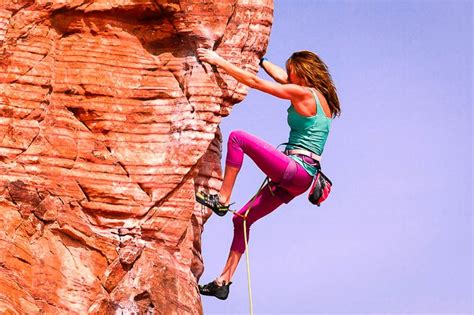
pixel 323 103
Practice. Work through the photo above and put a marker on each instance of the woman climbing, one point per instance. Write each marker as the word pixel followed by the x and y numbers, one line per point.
pixel 314 103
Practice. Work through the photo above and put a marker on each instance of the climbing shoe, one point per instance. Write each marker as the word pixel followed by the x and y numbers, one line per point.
pixel 212 202
pixel 213 289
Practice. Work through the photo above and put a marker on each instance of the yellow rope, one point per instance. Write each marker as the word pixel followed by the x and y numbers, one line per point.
pixel 248 266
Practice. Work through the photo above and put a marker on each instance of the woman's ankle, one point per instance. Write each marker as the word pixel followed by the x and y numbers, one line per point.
pixel 223 199
pixel 222 281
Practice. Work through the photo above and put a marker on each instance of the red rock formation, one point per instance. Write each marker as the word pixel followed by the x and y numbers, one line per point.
pixel 108 124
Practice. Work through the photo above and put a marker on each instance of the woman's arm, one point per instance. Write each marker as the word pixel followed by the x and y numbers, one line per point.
pixel 277 73
pixel 292 92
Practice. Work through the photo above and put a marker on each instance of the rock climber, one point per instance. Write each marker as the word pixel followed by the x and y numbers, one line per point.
pixel 314 103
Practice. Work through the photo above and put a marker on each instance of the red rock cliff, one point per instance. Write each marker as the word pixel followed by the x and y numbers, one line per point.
pixel 108 125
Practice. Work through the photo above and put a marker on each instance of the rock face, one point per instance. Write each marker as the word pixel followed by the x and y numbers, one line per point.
pixel 108 125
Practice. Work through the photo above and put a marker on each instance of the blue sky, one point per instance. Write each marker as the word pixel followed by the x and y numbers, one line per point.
pixel 395 236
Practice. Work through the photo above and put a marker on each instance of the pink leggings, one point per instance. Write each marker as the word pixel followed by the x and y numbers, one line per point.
pixel 288 180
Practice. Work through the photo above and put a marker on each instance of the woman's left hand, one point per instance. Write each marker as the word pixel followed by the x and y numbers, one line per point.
pixel 208 56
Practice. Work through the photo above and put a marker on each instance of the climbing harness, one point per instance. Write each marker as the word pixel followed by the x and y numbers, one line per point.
pixel 303 152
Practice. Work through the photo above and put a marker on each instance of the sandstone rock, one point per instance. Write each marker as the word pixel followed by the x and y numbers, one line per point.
pixel 108 125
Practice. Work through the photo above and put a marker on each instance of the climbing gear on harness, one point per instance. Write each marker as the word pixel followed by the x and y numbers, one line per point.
pixel 213 289
pixel 320 188
pixel 212 202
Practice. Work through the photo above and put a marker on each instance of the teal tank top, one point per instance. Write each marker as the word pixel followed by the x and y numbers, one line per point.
pixel 308 132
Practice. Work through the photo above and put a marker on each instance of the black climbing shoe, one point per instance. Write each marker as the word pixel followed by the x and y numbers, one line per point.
pixel 212 202
pixel 213 289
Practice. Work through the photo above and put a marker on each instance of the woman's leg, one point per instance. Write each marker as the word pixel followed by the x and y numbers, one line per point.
pixel 263 204
pixel 230 175
pixel 278 167
pixel 271 161
pixel 229 268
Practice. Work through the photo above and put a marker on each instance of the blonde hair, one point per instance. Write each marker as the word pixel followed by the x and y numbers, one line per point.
pixel 314 72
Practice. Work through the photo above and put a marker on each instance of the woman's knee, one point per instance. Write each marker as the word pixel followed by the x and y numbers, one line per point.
pixel 236 135
pixel 238 221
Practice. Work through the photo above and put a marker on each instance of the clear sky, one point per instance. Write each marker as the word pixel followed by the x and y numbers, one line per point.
pixel 395 236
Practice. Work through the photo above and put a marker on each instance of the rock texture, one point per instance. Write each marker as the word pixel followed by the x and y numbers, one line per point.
pixel 108 125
